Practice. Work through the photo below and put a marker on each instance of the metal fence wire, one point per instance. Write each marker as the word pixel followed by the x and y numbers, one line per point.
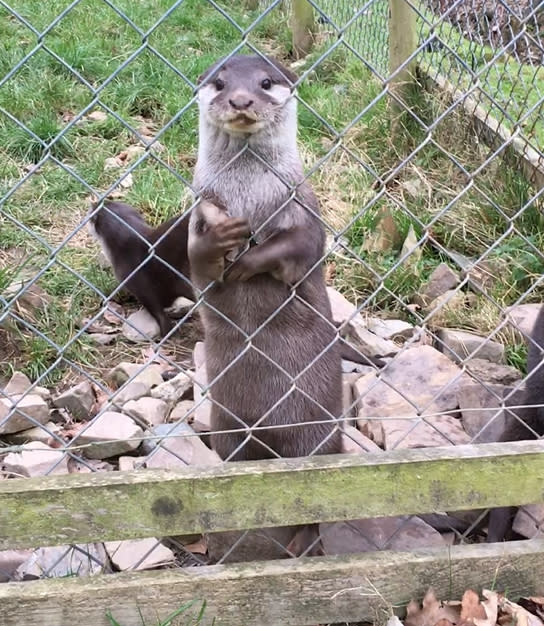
pixel 433 258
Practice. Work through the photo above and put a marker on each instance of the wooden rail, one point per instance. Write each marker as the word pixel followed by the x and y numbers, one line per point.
pixel 121 505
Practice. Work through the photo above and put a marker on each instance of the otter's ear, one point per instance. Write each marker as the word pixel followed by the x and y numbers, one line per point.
pixel 291 76
pixel 211 70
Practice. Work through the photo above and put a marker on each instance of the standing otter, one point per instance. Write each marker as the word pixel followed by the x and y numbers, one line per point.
pixel 271 350
pixel 272 355
pixel 125 239
pixel 528 423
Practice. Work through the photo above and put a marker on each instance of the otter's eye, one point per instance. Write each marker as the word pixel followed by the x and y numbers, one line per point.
pixel 266 83
pixel 219 84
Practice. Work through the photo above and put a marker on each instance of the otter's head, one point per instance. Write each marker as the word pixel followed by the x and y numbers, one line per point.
pixel 246 94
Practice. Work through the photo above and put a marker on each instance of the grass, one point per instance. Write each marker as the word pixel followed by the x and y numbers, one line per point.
pixel 173 619
pixel 429 192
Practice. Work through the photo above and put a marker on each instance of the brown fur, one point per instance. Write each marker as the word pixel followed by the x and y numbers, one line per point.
pixel 275 291
pixel 523 424
pixel 125 239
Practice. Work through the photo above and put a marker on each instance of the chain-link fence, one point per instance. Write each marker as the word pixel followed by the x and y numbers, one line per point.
pixel 432 255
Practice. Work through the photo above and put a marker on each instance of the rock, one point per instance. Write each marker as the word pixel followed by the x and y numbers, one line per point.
pixel 150 411
pixel 369 343
pixel 419 374
pixel 380 533
pixel 483 418
pixel 150 374
pixel 199 355
pixel 10 560
pixel 33 299
pixel 459 345
pixel 349 406
pixel 44 393
pixel 173 390
pixel 529 521
pixel 350 367
pixel 89 466
pixel 128 463
pixel 389 329
pixel 31 405
pixel 181 451
pixel 183 412
pixel 140 326
pixel 36 459
pixel 354 442
pixel 202 405
pixel 438 430
pixel 17 385
pixel 103 339
pixel 134 390
pixel 111 434
pixel 522 318
pixel 420 380
pixel 63 561
pixel 78 400
pixel 342 309
pixel 38 433
pixel 441 308
pixel 179 308
pixel 497 373
pixel 164 432
pixel 139 554
pixel 440 281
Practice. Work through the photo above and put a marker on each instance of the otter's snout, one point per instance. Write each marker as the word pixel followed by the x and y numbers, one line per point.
pixel 240 100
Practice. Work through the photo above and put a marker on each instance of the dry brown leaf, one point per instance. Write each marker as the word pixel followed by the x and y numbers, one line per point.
pixel 518 614
pixel 431 612
pixel 114 313
pixel 112 162
pixel 97 116
pixel 198 547
pixel 533 604
pixel 470 607
pixel 491 608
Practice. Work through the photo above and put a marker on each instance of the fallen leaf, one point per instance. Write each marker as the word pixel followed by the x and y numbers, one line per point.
pixel 431 612
pixel 471 607
pixel 198 547
pixel 410 246
pixel 97 116
pixel 386 235
pixel 68 116
pixel 114 313
pixel 491 608
pixel 518 615
pixel 533 604
pixel 112 163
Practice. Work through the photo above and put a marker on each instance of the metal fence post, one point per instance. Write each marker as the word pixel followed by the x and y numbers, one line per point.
pixel 302 26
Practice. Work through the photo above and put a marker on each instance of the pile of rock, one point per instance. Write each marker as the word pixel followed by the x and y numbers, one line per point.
pixel 436 389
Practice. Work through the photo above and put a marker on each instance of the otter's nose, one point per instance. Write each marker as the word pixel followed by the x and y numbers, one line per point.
pixel 240 102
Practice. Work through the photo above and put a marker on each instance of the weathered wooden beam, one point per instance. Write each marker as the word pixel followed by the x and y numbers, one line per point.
pixel 302 27
pixel 402 45
pixel 490 130
pixel 296 592
pixel 78 508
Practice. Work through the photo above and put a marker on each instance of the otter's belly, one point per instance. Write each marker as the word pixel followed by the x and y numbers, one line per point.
pixel 284 370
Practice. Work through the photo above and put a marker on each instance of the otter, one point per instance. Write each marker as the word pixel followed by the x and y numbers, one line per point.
pixel 272 350
pixel 268 324
pixel 524 423
pixel 125 239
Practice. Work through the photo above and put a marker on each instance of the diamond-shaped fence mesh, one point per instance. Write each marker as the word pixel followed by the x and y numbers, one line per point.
pixel 433 253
